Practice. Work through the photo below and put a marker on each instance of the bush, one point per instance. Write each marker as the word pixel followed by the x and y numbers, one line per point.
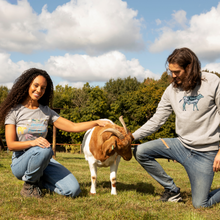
pixel 73 149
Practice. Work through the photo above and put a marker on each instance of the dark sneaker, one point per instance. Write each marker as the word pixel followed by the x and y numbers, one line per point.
pixel 170 196
pixel 31 190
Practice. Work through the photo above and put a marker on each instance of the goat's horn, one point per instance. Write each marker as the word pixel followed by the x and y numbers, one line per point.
pixel 114 131
pixel 123 123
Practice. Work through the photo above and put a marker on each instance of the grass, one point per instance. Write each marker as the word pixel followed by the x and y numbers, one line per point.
pixel 136 199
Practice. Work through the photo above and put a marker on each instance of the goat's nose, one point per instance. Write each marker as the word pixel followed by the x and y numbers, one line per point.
pixel 127 158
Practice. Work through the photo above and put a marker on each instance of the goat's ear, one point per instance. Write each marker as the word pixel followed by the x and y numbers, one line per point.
pixel 108 146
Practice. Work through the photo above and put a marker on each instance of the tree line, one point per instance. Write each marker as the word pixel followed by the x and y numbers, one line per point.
pixel 136 101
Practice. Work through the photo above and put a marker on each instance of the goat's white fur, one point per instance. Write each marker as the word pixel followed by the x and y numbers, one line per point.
pixel 112 161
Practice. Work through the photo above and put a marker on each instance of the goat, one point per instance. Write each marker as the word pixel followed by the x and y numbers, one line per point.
pixel 103 147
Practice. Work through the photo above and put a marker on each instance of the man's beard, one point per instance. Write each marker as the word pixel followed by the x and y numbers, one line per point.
pixel 178 81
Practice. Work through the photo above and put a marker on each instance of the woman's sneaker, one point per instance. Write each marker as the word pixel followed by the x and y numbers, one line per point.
pixel 171 196
pixel 31 190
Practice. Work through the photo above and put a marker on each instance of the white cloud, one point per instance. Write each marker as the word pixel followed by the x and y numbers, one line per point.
pixel 79 69
pixel 212 67
pixel 84 68
pixel 75 85
pixel 8 85
pixel 179 17
pixel 10 70
pixel 89 25
pixel 19 27
pixel 202 35
pixel 158 21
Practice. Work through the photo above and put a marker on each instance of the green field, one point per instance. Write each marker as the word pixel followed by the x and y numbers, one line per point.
pixel 136 199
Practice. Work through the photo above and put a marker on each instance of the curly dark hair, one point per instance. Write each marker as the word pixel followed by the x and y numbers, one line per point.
pixel 19 91
pixel 187 60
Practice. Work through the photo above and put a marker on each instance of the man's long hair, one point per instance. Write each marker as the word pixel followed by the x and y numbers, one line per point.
pixel 187 60
pixel 19 92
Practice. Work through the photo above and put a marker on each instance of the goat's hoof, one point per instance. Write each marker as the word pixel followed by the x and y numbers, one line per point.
pixel 93 194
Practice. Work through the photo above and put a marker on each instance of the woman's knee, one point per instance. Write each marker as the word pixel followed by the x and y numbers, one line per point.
pixel 68 186
pixel 69 190
pixel 45 153
pixel 73 191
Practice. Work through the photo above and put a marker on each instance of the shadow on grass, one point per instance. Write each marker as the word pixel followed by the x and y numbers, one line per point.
pixel 2 166
pixel 69 158
pixel 139 187
pixel 216 188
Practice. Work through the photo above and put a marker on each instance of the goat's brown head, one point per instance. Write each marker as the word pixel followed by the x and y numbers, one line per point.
pixel 119 141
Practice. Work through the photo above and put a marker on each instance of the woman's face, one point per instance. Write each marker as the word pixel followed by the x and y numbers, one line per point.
pixel 37 88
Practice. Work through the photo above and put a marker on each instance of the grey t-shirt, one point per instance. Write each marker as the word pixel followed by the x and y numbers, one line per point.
pixel 31 123
pixel 197 114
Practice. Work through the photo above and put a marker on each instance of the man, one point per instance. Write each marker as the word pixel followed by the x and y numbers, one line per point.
pixel 194 96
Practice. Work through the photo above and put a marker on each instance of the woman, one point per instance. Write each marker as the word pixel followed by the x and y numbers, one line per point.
pixel 26 115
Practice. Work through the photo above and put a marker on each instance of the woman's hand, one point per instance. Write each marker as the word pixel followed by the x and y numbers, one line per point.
pixel 102 123
pixel 14 145
pixel 41 142
pixel 216 164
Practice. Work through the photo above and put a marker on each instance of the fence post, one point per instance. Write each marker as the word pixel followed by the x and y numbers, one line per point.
pixel 2 146
pixel 54 141
pixel 57 110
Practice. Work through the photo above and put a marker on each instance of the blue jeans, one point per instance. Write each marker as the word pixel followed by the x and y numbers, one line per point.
pixel 37 165
pixel 197 164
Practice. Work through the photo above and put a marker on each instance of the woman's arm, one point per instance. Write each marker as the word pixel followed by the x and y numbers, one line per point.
pixel 14 145
pixel 66 125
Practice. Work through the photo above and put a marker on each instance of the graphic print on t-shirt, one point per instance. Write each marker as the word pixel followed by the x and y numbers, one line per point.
pixel 191 100
pixel 20 130
pixel 30 137
pixel 34 128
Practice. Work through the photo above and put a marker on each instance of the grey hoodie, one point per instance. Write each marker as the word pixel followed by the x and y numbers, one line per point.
pixel 197 114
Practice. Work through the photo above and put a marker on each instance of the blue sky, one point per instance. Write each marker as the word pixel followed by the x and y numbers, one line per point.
pixel 92 41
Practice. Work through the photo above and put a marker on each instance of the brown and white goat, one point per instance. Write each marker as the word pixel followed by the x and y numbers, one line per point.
pixel 103 147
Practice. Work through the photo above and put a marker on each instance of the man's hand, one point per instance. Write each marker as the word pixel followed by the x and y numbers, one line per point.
pixel 216 164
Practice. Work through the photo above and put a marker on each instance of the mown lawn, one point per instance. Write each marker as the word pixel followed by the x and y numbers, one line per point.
pixel 136 199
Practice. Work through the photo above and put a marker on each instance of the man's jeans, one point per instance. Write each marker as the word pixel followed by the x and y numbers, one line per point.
pixel 198 166
pixel 37 165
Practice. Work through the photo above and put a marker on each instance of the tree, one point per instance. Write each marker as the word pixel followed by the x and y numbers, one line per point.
pixel 145 101
pixel 115 88
pixel 136 101
pixel 3 93
pixel 63 96
pixel 88 103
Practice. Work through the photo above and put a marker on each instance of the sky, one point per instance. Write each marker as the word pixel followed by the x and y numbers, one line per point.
pixel 79 41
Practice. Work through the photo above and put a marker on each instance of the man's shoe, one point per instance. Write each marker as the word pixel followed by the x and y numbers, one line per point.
pixel 170 196
pixel 31 190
